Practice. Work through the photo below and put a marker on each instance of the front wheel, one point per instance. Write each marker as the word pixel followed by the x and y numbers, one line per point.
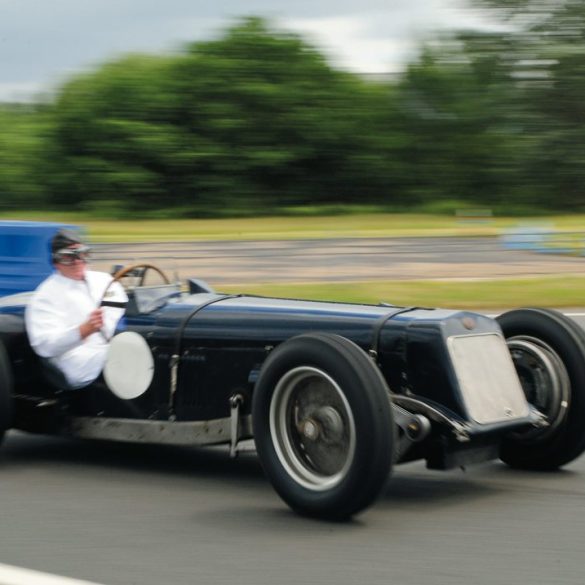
pixel 323 425
pixel 548 351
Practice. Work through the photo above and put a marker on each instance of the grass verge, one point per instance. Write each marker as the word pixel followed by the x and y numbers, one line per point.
pixel 264 228
pixel 553 291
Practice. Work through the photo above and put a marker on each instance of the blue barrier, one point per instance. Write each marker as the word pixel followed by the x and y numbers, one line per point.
pixel 25 258
pixel 544 240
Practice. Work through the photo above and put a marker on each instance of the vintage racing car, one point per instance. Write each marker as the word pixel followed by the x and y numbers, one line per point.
pixel 333 394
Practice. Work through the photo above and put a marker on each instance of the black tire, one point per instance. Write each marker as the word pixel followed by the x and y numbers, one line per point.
pixel 548 350
pixel 323 426
pixel 6 386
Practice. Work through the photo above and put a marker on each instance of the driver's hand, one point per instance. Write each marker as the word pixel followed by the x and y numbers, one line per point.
pixel 94 323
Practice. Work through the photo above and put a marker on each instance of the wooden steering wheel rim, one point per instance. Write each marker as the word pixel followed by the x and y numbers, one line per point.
pixel 127 269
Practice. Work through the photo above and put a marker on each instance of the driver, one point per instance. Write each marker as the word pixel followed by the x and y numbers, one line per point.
pixel 64 320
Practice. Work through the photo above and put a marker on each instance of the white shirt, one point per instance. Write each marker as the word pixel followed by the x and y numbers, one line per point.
pixel 53 316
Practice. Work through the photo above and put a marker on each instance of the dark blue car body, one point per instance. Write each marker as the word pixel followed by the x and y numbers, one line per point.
pixel 360 386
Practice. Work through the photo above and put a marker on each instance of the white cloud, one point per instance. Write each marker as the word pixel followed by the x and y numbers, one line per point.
pixel 21 92
pixel 348 43
pixel 42 43
pixel 385 39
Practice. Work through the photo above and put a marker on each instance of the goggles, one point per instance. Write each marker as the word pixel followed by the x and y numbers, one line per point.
pixel 67 256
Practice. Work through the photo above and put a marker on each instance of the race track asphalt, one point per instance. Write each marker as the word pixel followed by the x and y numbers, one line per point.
pixel 341 260
pixel 148 515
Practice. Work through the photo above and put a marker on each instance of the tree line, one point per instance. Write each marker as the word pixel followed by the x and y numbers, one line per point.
pixel 258 122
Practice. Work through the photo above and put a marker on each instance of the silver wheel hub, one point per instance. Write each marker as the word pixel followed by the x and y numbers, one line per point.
pixel 312 428
pixel 544 380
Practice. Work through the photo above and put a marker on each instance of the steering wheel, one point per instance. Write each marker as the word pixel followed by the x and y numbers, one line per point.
pixel 128 270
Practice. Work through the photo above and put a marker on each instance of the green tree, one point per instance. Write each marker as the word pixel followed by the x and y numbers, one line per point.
pixel 114 138
pixel 457 113
pixel 256 119
pixel 495 118
pixel 544 47
pixel 22 140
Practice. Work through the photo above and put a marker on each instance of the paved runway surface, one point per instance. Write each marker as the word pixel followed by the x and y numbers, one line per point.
pixel 338 259
pixel 136 514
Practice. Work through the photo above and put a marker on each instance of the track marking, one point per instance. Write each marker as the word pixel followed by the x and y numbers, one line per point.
pixel 10 575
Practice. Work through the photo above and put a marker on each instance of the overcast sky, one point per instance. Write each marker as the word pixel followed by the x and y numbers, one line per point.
pixel 42 42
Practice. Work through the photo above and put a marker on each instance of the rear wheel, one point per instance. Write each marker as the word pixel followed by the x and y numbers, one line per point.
pixel 6 384
pixel 548 350
pixel 323 425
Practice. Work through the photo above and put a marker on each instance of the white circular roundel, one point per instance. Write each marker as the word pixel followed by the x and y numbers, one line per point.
pixel 129 365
